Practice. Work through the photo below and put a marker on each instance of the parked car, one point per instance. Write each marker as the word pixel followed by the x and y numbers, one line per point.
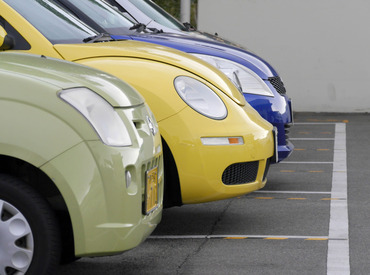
pixel 258 81
pixel 81 164
pixel 215 145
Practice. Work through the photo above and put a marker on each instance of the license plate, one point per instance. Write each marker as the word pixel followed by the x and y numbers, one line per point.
pixel 151 190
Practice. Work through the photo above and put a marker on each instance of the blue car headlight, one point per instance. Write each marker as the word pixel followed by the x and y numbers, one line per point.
pixel 244 79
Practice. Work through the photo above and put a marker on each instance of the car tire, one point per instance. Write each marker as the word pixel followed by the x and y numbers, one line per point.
pixel 30 239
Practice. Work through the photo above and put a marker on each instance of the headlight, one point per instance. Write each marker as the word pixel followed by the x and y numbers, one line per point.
pixel 100 114
pixel 245 79
pixel 200 97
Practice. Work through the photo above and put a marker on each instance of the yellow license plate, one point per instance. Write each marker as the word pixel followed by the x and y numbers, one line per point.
pixel 151 190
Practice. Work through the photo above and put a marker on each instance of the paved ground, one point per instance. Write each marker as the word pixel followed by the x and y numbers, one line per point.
pixel 311 218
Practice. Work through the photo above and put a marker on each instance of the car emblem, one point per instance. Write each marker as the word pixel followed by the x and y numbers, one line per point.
pixel 151 125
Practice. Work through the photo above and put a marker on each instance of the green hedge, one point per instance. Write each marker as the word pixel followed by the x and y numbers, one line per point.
pixel 173 7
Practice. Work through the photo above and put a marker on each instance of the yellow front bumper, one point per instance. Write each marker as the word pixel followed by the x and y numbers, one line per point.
pixel 201 167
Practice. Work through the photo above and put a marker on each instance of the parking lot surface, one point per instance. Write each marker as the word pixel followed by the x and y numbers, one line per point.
pixel 311 218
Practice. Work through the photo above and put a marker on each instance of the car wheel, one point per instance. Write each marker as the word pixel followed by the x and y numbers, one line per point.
pixel 29 235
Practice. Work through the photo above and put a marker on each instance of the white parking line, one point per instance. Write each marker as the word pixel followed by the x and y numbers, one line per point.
pixel 306 162
pixel 237 237
pixel 313 139
pixel 338 250
pixel 294 192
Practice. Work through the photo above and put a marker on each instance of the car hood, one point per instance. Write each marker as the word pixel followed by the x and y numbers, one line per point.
pixel 65 75
pixel 191 44
pixel 134 49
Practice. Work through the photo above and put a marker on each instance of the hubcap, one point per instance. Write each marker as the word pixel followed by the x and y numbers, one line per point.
pixel 16 240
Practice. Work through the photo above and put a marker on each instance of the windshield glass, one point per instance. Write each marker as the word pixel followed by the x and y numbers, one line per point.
pixel 57 25
pixel 158 14
pixel 101 13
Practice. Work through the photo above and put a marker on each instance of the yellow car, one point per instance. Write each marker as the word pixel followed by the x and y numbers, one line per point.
pixel 215 145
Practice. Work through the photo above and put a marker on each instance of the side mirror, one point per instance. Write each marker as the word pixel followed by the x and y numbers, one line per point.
pixel 6 41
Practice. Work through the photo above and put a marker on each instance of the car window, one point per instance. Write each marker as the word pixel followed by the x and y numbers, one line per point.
pixel 101 13
pixel 57 25
pixel 19 42
pixel 159 15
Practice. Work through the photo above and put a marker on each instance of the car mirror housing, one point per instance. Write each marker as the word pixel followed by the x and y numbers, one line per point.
pixel 6 41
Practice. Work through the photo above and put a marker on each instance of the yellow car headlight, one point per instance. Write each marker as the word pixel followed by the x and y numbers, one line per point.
pixel 200 97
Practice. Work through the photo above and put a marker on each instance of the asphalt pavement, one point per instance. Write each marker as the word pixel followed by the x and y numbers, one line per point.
pixel 312 217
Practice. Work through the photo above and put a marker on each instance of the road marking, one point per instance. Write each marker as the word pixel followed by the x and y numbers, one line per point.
pixel 313 139
pixel 293 192
pixel 306 162
pixel 314 123
pixel 338 245
pixel 329 121
pixel 241 237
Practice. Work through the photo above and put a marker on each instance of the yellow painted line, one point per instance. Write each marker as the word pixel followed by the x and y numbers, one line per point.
pixel 318 171
pixel 317 239
pixel 287 171
pixel 296 198
pixel 275 238
pixel 235 238
pixel 299 149
pixel 264 198
pixel 322 149
pixel 345 121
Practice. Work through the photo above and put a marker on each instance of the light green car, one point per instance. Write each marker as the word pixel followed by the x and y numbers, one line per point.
pixel 81 164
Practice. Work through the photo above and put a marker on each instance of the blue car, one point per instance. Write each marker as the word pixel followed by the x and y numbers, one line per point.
pixel 255 78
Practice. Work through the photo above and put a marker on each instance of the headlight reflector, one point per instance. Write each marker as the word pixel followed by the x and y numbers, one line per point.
pixel 244 79
pixel 100 114
pixel 200 97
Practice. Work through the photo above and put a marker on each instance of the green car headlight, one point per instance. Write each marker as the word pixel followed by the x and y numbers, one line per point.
pixel 245 79
pixel 100 114
pixel 200 97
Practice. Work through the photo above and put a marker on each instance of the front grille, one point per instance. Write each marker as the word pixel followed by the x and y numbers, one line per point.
pixel 239 173
pixel 268 161
pixel 287 131
pixel 277 84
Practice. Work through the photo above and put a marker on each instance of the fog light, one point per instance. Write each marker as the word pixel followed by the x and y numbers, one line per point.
pixel 128 179
pixel 222 140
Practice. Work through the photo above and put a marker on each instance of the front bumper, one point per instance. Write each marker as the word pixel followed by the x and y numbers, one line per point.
pixel 106 216
pixel 202 168
pixel 278 111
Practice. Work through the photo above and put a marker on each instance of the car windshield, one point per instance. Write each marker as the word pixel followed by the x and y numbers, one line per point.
pixel 101 13
pixel 158 14
pixel 57 25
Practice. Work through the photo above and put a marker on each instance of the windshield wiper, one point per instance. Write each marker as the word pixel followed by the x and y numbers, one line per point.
pixel 188 26
pixel 155 30
pixel 98 38
pixel 139 27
